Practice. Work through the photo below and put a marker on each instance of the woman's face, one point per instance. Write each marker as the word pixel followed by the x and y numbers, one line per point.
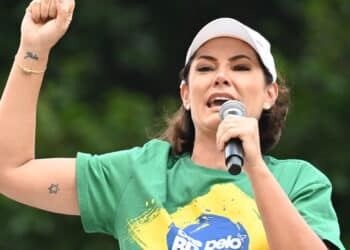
pixel 225 68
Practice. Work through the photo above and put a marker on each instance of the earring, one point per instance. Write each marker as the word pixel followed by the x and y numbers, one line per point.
pixel 266 106
pixel 187 106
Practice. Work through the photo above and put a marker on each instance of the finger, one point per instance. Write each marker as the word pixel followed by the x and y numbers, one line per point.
pixel 226 136
pixel 221 139
pixel 52 9
pixel 34 9
pixel 65 10
pixel 229 123
pixel 67 5
pixel 44 10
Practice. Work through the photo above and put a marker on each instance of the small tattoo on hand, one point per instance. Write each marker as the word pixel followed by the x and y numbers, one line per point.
pixel 53 189
pixel 31 55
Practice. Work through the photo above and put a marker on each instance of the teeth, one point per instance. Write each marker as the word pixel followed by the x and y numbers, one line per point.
pixel 221 99
pixel 218 100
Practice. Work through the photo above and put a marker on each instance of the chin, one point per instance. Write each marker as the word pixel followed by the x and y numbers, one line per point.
pixel 208 121
pixel 212 123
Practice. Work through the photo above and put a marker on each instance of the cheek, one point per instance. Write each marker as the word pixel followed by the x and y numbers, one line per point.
pixel 197 100
pixel 254 102
pixel 198 85
pixel 253 95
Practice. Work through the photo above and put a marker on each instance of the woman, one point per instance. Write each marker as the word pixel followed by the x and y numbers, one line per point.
pixel 174 193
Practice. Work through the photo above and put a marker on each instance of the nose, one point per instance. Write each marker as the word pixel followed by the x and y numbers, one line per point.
pixel 222 79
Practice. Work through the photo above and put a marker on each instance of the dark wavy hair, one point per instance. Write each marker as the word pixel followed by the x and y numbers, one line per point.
pixel 180 131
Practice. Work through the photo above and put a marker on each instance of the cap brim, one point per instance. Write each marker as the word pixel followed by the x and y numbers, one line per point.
pixel 228 27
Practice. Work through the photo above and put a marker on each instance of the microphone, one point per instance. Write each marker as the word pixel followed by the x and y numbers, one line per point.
pixel 233 150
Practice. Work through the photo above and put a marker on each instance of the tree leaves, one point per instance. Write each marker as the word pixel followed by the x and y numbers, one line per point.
pixel 115 74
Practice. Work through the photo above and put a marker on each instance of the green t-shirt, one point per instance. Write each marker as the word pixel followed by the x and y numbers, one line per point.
pixel 148 198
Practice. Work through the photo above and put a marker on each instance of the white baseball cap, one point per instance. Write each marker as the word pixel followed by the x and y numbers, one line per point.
pixel 229 27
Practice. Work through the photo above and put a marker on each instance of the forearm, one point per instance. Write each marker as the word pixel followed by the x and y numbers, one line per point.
pixel 18 107
pixel 285 228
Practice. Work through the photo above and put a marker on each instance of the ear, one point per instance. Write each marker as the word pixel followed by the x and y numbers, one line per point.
pixel 270 95
pixel 185 94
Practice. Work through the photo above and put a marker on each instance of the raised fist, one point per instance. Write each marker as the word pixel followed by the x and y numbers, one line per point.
pixel 45 22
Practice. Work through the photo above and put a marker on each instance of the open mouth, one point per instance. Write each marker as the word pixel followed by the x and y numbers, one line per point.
pixel 217 101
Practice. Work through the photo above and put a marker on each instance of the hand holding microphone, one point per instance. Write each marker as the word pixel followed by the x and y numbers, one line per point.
pixel 238 136
pixel 234 156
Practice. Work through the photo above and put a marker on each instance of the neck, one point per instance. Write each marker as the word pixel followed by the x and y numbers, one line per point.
pixel 206 153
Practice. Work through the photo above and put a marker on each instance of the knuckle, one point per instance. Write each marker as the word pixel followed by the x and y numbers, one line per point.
pixel 221 126
pixel 227 121
pixel 231 132
pixel 33 4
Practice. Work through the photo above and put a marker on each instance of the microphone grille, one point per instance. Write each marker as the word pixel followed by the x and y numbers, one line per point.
pixel 232 107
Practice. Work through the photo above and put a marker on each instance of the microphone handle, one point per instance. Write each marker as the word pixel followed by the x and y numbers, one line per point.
pixel 234 156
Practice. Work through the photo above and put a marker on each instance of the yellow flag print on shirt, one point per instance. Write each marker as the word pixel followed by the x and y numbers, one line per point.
pixel 225 218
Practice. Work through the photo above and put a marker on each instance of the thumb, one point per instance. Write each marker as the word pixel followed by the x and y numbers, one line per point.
pixel 27 15
pixel 27 21
pixel 65 10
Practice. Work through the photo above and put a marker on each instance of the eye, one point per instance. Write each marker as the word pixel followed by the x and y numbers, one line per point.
pixel 241 68
pixel 204 68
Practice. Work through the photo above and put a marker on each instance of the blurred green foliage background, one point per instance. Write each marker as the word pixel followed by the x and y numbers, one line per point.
pixel 114 78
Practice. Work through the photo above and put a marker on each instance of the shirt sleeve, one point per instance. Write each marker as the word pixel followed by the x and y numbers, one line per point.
pixel 101 180
pixel 312 198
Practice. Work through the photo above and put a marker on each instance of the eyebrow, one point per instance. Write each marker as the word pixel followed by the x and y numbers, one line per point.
pixel 231 59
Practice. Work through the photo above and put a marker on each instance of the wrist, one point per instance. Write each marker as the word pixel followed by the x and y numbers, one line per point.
pixel 38 47
pixel 31 59
pixel 259 170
